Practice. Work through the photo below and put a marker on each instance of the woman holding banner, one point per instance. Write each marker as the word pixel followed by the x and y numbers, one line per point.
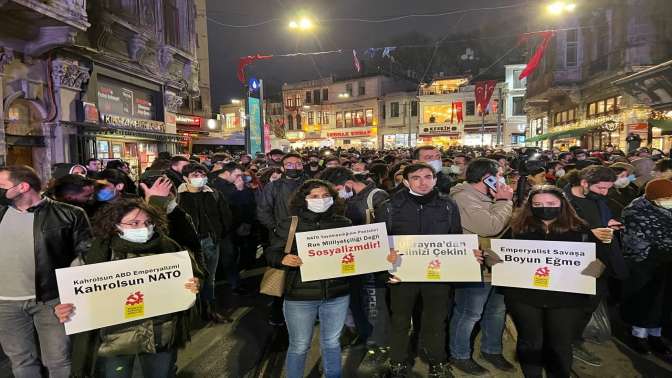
pixel 546 320
pixel 317 206
pixel 128 229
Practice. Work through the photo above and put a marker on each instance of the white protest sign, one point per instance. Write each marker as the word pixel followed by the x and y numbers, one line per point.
pixel 121 291
pixel 342 252
pixel 436 258
pixel 543 265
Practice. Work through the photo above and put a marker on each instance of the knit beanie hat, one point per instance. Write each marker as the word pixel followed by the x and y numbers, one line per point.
pixel 627 167
pixel 657 189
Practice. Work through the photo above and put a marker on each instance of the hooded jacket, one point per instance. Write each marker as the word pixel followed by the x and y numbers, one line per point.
pixel 480 214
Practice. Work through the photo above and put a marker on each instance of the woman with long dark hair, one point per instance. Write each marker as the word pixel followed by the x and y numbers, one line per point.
pixel 546 320
pixel 129 229
pixel 318 207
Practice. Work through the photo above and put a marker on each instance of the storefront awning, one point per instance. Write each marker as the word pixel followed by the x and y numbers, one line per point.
pixel 96 129
pixel 663 124
pixel 573 133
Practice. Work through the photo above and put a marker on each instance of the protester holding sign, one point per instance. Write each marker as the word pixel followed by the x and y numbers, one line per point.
pixel 546 320
pixel 128 229
pixel 318 207
pixel 420 210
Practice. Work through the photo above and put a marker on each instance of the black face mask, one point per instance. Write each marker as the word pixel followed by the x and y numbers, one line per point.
pixel 546 213
pixel 4 201
pixel 293 173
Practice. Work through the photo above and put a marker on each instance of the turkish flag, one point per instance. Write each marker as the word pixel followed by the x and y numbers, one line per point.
pixel 483 93
pixel 458 109
pixel 538 54
pixel 246 61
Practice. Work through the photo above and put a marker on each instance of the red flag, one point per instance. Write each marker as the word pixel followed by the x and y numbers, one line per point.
pixel 452 111
pixel 355 61
pixel 246 61
pixel 483 93
pixel 458 108
pixel 538 54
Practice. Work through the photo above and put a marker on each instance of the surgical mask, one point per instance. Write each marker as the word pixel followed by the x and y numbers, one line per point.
pixel 319 205
pixel 137 235
pixel 559 173
pixel 436 165
pixel 622 182
pixel 345 194
pixel 446 170
pixel 546 213
pixel 293 173
pixel 666 204
pixel 171 206
pixel 455 169
pixel 198 182
pixel 632 178
pixel 105 194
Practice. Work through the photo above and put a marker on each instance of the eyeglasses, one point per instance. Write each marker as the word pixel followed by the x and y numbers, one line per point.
pixel 293 166
pixel 138 224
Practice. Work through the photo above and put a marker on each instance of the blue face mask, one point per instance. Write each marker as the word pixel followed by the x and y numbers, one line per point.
pixel 105 194
pixel 632 178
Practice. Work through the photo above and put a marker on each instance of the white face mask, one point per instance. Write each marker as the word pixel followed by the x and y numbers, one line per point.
pixel 171 206
pixel 137 235
pixel 198 182
pixel 559 173
pixel 501 180
pixel 622 182
pixel 319 205
pixel 345 194
pixel 436 165
pixel 455 169
pixel 665 204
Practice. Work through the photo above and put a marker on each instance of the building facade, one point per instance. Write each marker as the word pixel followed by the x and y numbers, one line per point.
pixel 571 97
pixel 400 119
pixel 102 79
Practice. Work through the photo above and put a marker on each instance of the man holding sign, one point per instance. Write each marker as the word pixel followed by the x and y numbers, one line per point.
pixel 420 210
pixel 546 283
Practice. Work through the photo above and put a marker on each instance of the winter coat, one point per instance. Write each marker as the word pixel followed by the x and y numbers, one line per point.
pixel 357 205
pixel 444 182
pixel 480 214
pixel 647 293
pixel 295 288
pixel 62 233
pixel 216 208
pixel 157 334
pixel 544 298
pixel 619 198
pixel 273 207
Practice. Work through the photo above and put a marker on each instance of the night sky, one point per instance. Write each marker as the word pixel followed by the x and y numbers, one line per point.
pixel 228 44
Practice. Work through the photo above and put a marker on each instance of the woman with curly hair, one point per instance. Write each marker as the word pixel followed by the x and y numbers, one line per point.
pixel 317 206
pixel 129 229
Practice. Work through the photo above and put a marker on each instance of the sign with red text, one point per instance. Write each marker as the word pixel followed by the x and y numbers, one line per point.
pixel 343 252
pixel 436 258
pixel 543 265
pixel 121 291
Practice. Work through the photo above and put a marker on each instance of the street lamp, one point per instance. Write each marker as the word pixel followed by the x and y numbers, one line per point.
pixel 343 95
pixel 303 24
pixel 560 7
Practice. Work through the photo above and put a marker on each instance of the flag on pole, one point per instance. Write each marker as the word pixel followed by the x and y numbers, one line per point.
pixel 246 61
pixel 538 55
pixel 483 93
pixel 355 61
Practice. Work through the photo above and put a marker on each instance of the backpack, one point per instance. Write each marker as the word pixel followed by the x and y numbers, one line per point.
pixel 370 211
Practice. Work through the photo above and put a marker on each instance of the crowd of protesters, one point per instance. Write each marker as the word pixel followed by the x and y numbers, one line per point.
pixel 224 208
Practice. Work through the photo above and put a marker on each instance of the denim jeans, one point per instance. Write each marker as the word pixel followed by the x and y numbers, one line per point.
pixel 19 320
pixel 474 302
pixel 210 251
pixel 154 365
pixel 230 260
pixel 300 318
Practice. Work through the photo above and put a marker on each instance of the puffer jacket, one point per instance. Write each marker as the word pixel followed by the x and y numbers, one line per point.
pixel 404 216
pixel 62 233
pixel 273 205
pixel 295 288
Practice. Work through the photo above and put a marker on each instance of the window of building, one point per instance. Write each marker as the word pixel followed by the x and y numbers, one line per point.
pixel 290 122
pixel 517 83
pixel 298 101
pixel 339 119
pixel 470 108
pixel 325 118
pixel 290 102
pixel 171 17
pixel 518 103
pixel 609 105
pixel 383 111
pixel 394 109
pixel 311 118
pixel 309 97
pixel 316 96
pixel 565 117
pixel 361 88
pixel 414 108
pixel 571 48
pixel 298 122
pixel 348 89
pixel 369 117
pixel 359 118
pixel 325 94
pixel 348 119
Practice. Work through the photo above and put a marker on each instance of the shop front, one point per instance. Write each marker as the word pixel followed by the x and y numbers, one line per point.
pixel 189 127
pixel 439 134
pixel 479 135
pixel 392 141
pixel 356 137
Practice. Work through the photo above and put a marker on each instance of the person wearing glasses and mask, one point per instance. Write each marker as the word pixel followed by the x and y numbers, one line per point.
pixel 130 229
pixel 213 221
pixel 318 207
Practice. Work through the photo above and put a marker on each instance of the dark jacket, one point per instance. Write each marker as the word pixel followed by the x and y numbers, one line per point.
pixel 242 202
pixel 405 216
pixel 544 298
pixel 175 177
pixel 273 206
pixel 215 207
pixel 444 182
pixel 357 205
pixel 62 233
pixel 618 199
pixel 295 288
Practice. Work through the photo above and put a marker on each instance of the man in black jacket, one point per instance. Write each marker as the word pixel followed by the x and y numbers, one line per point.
pixel 420 210
pixel 174 173
pixel 213 221
pixel 432 157
pixel 39 235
